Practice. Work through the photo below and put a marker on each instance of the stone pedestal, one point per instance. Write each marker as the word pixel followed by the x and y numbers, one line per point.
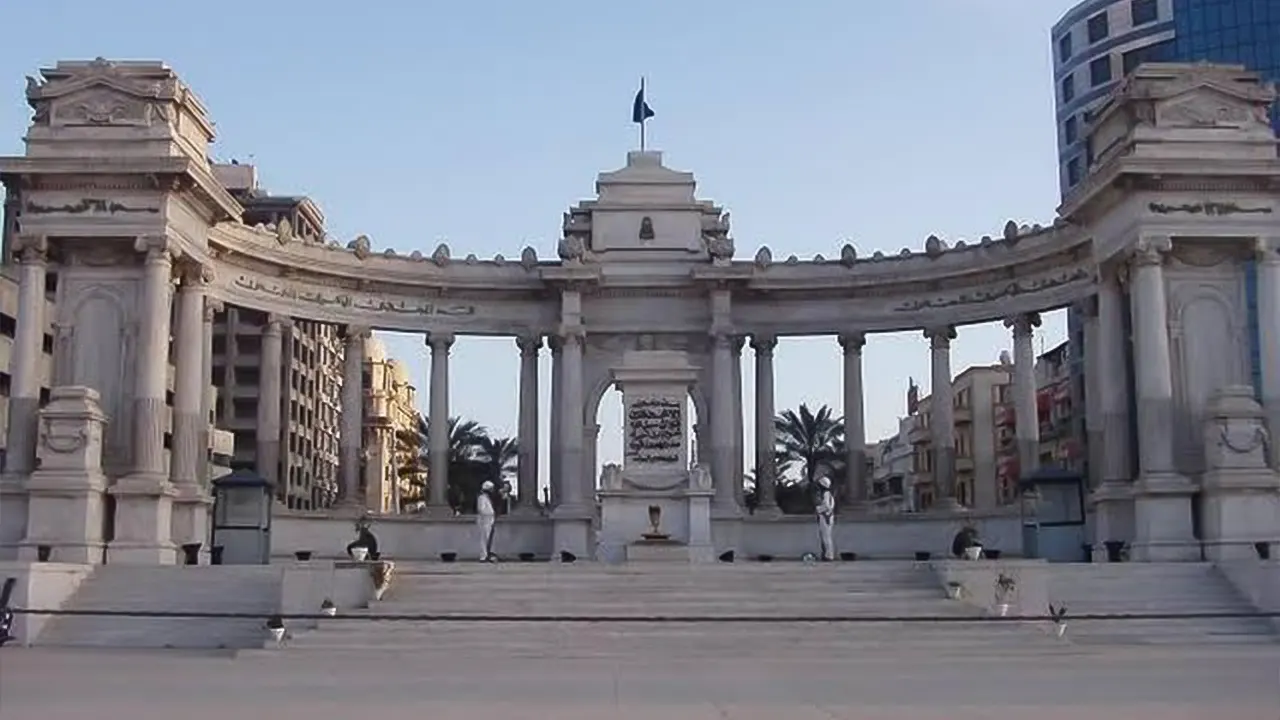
pixel 1112 516
pixel 143 522
pixel 1163 529
pixel 571 532
pixel 192 505
pixel 65 495
pixel 1240 504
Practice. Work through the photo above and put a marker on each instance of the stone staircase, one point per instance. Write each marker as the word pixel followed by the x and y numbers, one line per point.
pixel 788 593
pixel 1128 588
pixel 246 589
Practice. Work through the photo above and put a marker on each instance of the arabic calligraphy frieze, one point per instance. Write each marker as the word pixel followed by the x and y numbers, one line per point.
pixel 1211 209
pixel 88 205
pixel 350 301
pixel 655 430
pixel 994 293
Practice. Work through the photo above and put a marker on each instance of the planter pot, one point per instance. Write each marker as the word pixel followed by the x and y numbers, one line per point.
pixel 765 558
pixel 359 554
pixel 567 557
pixel 277 634
pixel 1115 550
pixel 1059 630
pixel 1002 609
pixel 329 611
pixel 43 552
pixel 191 554
pixel 991 554
pixel 973 552
pixel 448 557
pixel 953 592
pixel 922 556
pixel 727 556
pixel 848 556
pixel 526 557
pixel 1263 549
pixel 303 555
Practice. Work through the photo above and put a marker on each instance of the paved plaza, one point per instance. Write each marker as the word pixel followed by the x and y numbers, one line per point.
pixel 1168 683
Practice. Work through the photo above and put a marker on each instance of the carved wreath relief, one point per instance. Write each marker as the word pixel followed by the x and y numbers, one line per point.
pixel 655 430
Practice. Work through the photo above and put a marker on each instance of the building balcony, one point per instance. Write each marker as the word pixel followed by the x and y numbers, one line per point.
pixel 964 463
pixel 1005 416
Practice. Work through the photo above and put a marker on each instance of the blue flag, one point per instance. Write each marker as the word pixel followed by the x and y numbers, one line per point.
pixel 640 110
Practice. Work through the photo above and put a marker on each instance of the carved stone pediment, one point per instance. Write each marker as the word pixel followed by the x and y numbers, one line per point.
pixel 1208 107
pixel 103 93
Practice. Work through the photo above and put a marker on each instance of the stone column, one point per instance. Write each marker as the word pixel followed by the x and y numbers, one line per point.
pixel 571 425
pixel 722 423
pixel 144 498
pixel 855 432
pixel 739 423
pixel 351 435
pixel 1162 508
pixel 271 403
pixel 1026 412
pixel 942 418
pixel 766 464
pixel 24 399
pixel 190 521
pixel 557 408
pixel 1269 338
pixel 527 470
pixel 590 450
pixel 1107 375
pixel 1094 355
pixel 438 423
pixel 207 392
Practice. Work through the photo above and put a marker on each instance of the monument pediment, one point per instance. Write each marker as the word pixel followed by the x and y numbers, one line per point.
pixel 1209 106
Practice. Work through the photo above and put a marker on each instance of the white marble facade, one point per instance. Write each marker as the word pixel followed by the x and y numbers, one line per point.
pixel 117 193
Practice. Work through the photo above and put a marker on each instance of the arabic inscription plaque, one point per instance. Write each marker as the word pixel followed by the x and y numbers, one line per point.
pixel 655 430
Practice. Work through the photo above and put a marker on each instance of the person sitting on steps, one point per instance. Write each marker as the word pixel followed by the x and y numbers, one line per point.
pixel 365 539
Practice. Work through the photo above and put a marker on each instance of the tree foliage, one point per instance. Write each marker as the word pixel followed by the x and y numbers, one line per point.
pixel 474 457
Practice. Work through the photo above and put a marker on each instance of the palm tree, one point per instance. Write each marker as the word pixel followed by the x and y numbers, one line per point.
pixel 499 456
pixel 466 461
pixel 808 439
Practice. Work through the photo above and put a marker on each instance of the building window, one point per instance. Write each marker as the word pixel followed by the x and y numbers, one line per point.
pixel 1098 28
pixel 1068 88
pixel 1071 130
pixel 1073 172
pixel 1143 11
pixel 1100 71
pixel 1064 48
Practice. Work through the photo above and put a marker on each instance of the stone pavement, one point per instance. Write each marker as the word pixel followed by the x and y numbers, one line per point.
pixel 1129 683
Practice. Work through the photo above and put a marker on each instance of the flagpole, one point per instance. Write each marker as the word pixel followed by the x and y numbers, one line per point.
pixel 643 119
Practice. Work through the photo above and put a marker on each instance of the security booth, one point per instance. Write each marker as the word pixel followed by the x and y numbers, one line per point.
pixel 242 504
pixel 1052 506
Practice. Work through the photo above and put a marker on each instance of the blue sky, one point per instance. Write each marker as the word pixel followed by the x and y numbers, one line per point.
pixel 479 123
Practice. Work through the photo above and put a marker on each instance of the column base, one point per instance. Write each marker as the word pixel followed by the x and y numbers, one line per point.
pixel 144 521
pixel 726 510
pixel 571 532
pixel 1237 510
pixel 190 521
pixel 1113 519
pixel 65 514
pixel 13 515
pixel 1163 527
pixel 766 512
pixel 64 552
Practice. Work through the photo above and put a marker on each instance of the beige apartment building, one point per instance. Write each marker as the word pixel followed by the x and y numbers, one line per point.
pixel 979 393
pixel 307 476
pixel 391 475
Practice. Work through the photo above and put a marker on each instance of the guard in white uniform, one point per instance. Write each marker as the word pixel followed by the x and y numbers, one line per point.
pixel 826 510
pixel 484 521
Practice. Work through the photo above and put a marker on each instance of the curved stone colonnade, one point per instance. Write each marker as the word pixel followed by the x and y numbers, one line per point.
pixel 118 195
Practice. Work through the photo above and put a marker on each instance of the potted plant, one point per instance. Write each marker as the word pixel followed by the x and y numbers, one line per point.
pixel 848 556
pixel 1005 586
pixel 954 589
pixel 328 609
pixel 526 557
pixel 275 628
pixel 923 556
pixel 448 557
pixel 381 573
pixel 764 557
pixel 303 555
pixel 1059 617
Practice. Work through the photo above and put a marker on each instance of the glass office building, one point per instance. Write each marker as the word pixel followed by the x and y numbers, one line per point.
pixel 1098 42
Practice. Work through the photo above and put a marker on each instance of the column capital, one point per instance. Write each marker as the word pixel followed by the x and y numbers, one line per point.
pixel 1088 307
pixel 356 333
pixel 1024 324
pixel 211 308
pixel 738 341
pixel 33 249
pixel 556 343
pixel 440 341
pixel 1150 250
pixel 529 345
pixel 940 337
pixel 852 342
pixel 721 339
pixel 1267 250
pixel 275 325
pixel 157 248
pixel 764 343
pixel 195 275
pixel 571 334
